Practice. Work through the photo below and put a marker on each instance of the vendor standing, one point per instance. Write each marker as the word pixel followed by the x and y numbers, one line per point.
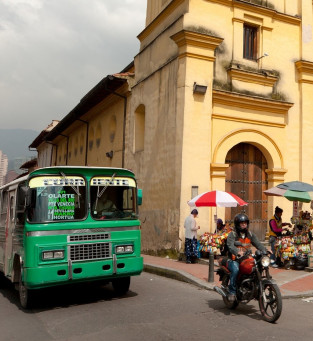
pixel 276 228
pixel 191 237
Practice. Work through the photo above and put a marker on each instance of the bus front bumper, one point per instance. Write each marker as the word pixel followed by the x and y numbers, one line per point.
pixel 87 271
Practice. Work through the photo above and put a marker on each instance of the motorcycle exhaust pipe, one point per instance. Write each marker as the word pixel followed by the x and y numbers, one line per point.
pixel 220 291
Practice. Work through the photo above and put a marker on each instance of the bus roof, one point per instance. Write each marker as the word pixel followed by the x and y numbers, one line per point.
pixel 84 170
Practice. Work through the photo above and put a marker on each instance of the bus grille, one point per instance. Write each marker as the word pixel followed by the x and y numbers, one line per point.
pixel 82 237
pixel 90 251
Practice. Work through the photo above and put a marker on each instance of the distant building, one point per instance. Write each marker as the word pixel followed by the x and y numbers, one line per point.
pixel 29 166
pixel 11 175
pixel 16 163
pixel 3 167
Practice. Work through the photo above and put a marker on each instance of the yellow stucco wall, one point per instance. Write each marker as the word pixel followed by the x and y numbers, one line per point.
pixel 211 127
pixel 265 102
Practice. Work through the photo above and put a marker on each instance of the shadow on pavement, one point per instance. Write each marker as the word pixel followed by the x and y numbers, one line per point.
pixel 64 296
pixel 249 309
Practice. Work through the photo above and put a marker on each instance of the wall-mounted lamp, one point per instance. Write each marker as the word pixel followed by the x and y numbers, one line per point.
pixel 199 89
pixel 264 55
pixel 109 154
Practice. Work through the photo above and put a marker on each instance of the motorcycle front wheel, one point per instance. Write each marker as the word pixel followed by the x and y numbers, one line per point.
pixel 270 302
pixel 225 283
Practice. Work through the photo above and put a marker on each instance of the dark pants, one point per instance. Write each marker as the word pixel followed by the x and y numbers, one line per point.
pixel 233 267
pixel 272 241
pixel 191 248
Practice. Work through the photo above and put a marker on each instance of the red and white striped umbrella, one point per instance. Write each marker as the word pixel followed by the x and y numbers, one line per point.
pixel 216 199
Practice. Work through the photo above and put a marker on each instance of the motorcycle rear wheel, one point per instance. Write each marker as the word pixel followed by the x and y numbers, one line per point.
pixel 271 304
pixel 229 305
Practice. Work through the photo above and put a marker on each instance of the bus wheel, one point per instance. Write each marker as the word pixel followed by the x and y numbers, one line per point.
pixel 26 295
pixel 121 285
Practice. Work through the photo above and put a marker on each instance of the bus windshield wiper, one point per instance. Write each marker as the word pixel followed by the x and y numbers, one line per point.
pixel 106 186
pixel 76 190
pixel 99 194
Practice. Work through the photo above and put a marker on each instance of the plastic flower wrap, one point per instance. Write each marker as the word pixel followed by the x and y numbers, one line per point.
pixel 212 242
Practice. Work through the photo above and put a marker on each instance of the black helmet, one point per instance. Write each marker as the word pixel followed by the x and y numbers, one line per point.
pixel 240 218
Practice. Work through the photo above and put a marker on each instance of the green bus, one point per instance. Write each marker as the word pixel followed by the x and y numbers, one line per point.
pixel 62 225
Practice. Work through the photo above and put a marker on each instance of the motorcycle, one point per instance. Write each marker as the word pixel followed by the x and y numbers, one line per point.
pixel 253 282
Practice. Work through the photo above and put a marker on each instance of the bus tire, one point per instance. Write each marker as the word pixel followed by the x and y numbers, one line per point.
pixel 121 285
pixel 25 295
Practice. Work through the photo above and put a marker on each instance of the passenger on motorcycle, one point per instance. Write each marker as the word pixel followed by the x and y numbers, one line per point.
pixel 240 234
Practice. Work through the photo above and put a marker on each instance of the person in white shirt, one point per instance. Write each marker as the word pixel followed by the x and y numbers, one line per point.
pixel 191 228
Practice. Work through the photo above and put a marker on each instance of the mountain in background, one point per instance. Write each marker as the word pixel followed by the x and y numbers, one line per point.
pixel 14 142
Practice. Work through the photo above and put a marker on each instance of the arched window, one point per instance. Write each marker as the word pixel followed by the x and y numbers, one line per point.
pixel 139 128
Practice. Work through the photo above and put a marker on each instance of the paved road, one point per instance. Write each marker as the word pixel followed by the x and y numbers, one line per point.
pixel 156 308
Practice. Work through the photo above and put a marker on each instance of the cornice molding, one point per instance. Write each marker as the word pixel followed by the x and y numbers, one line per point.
pixel 305 71
pixel 252 77
pixel 250 102
pixel 247 120
pixel 304 66
pixel 218 170
pixel 196 56
pixel 190 38
pixel 159 19
pixel 276 175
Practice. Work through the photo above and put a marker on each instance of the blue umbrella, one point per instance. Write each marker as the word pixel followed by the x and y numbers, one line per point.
pixel 296 186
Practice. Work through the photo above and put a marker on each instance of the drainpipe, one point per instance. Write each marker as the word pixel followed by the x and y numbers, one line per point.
pixel 87 137
pixel 110 77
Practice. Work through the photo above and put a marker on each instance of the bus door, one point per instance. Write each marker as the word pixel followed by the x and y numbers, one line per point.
pixel 9 233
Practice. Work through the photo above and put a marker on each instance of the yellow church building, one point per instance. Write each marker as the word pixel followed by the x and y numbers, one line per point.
pixel 219 97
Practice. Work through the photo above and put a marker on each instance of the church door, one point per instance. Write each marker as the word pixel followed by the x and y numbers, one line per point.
pixel 246 178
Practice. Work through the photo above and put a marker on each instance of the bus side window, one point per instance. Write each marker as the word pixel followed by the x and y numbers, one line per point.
pixel 4 208
pixel 12 207
pixel 20 205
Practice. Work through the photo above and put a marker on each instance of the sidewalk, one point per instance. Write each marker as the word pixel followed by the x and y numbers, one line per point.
pixel 292 283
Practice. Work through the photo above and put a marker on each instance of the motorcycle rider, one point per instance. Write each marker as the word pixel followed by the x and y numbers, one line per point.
pixel 240 234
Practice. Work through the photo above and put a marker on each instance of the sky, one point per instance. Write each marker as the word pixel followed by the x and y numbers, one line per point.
pixel 52 52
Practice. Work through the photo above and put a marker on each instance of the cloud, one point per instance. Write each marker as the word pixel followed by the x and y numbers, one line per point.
pixel 54 51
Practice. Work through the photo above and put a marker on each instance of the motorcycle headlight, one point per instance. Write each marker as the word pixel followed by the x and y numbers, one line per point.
pixel 265 261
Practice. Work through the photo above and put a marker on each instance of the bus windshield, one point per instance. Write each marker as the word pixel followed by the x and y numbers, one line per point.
pixel 57 198
pixel 113 198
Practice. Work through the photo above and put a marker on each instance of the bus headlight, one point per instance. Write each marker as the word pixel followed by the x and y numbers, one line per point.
pixel 52 254
pixel 124 249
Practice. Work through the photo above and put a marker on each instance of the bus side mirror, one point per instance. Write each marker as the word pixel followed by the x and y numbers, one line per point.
pixel 139 196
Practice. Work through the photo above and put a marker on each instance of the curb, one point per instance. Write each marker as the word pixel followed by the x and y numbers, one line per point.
pixel 187 278
pixel 177 275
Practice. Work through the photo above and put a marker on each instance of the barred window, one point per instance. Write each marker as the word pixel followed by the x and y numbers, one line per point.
pixel 250 42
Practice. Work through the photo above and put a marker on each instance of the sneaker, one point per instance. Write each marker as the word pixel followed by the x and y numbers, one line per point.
pixel 188 261
pixel 231 298
pixel 274 265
